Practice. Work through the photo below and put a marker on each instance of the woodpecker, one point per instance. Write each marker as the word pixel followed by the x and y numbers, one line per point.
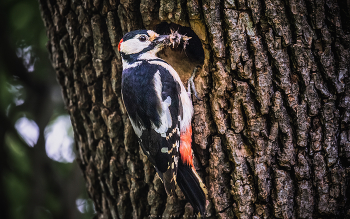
pixel 160 111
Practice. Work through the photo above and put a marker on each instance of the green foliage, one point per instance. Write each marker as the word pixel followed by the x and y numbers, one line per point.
pixel 16 180
pixel 26 12
pixel 5 97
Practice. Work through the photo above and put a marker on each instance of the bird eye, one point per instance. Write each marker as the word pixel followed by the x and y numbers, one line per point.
pixel 142 38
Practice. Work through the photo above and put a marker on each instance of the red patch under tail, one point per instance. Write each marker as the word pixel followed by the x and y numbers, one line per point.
pixel 185 146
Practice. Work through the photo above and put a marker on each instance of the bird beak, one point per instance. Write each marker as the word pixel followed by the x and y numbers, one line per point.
pixel 161 39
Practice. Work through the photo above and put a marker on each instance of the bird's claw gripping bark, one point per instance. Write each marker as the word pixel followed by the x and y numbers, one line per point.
pixel 190 84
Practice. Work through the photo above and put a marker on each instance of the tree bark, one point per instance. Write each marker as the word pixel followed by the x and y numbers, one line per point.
pixel 271 136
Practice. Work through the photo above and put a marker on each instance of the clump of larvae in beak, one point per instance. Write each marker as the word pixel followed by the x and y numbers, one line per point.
pixel 175 39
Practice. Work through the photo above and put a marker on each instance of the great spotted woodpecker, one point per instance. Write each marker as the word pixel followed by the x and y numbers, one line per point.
pixel 160 111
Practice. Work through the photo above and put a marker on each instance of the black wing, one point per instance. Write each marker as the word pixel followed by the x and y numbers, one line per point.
pixel 146 100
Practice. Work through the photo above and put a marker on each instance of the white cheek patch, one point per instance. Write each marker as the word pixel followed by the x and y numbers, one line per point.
pixel 133 46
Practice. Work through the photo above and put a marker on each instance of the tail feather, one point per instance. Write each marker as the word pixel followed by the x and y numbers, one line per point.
pixel 192 187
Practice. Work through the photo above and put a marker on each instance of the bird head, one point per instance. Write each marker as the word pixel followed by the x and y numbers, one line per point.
pixel 141 44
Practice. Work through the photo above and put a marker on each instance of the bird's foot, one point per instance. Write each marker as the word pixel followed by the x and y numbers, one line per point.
pixel 190 84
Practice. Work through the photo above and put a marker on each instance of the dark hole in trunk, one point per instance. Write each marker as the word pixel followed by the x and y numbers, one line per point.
pixel 182 58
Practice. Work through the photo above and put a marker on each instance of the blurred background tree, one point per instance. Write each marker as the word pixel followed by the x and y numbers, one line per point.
pixel 39 178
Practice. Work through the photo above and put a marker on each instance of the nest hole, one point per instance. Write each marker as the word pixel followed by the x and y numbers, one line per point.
pixel 182 59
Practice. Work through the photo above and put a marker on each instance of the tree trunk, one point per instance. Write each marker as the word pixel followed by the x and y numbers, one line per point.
pixel 271 136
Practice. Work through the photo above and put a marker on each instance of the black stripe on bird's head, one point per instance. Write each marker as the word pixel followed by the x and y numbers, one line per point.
pixel 140 42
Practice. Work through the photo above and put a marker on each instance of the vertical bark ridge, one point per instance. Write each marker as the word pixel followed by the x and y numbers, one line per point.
pixel 218 179
pixel 242 182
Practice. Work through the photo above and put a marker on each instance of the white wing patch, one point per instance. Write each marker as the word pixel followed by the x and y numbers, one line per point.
pixel 165 116
pixel 157 82
pixel 164 150
pixel 185 121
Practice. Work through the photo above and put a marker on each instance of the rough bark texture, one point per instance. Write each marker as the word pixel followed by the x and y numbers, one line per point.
pixel 272 134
